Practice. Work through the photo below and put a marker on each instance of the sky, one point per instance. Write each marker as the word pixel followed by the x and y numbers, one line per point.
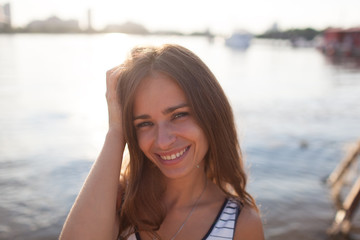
pixel 219 16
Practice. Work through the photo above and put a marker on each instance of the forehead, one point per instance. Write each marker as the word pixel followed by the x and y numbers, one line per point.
pixel 157 91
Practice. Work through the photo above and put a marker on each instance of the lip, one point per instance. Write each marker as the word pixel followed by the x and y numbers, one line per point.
pixel 176 159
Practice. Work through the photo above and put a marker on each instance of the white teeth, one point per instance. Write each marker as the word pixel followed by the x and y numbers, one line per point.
pixel 173 156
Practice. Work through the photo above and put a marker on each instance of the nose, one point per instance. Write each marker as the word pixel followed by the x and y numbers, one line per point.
pixel 165 136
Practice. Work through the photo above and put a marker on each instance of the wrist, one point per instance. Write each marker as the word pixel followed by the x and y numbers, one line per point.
pixel 115 131
pixel 115 136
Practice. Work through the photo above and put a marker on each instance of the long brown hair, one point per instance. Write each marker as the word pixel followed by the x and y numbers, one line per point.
pixel 142 182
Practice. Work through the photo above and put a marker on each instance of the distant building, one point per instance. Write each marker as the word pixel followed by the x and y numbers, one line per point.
pixel 89 15
pixel 5 17
pixel 274 28
pixel 7 12
pixel 53 25
pixel 2 15
pixel 128 27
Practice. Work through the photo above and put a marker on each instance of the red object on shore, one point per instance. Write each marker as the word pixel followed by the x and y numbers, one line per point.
pixel 341 42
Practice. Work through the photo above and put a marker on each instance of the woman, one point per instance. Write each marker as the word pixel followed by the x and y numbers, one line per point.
pixel 185 178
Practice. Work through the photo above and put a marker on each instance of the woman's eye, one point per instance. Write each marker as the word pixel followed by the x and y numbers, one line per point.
pixel 180 114
pixel 143 124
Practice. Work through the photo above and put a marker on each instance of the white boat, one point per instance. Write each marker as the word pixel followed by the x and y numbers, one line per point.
pixel 240 40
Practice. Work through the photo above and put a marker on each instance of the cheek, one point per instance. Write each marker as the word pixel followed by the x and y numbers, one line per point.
pixel 144 141
pixel 195 132
pixel 201 138
pixel 204 144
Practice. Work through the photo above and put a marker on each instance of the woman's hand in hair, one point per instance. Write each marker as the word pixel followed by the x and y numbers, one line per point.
pixel 114 109
pixel 93 213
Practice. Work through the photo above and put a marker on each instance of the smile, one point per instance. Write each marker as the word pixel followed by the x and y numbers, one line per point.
pixel 174 155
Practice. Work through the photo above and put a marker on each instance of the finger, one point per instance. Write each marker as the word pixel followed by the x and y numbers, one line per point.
pixel 115 69
pixel 110 72
pixel 112 76
pixel 116 73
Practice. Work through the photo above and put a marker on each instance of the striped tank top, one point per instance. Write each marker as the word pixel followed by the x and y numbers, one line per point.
pixel 224 225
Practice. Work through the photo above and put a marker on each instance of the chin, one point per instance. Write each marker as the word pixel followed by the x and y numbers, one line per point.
pixel 177 173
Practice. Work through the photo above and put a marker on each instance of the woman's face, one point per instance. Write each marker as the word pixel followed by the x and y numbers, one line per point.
pixel 167 132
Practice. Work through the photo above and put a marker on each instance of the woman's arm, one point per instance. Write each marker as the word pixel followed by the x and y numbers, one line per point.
pixel 249 225
pixel 93 215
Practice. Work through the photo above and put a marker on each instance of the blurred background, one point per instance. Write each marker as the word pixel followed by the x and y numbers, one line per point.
pixel 290 69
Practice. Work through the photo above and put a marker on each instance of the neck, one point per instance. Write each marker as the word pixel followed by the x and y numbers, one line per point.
pixel 184 192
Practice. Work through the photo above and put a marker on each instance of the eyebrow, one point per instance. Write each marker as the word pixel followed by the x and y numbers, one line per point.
pixel 171 109
pixel 166 111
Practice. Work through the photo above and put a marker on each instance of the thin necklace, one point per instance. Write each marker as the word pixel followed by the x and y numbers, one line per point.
pixel 190 213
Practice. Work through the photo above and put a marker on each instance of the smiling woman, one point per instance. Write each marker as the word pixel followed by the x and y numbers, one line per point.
pixel 185 177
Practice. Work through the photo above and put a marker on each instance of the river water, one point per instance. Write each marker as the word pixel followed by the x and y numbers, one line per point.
pixel 296 111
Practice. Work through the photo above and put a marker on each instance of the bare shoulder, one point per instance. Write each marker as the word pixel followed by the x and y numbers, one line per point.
pixel 249 225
